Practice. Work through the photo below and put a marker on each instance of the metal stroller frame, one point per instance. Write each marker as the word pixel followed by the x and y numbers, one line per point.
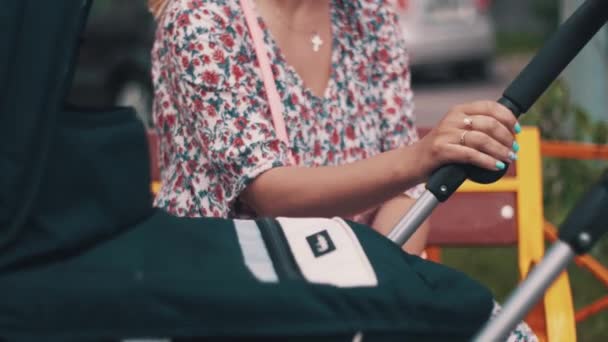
pixel 585 224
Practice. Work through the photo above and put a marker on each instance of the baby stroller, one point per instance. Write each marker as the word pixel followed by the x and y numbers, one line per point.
pixel 85 257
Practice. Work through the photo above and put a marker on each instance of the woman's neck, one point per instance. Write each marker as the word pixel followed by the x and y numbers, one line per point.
pixel 296 9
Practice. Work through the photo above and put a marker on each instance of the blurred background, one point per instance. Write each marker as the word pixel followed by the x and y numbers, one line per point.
pixel 114 61
pixel 469 48
pixel 461 50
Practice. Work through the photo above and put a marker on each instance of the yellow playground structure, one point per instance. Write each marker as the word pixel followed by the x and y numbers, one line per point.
pixel 510 212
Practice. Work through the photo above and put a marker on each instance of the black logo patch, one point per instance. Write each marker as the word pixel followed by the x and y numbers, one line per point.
pixel 321 244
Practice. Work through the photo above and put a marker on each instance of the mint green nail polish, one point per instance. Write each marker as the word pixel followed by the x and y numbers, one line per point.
pixel 500 165
pixel 517 128
pixel 515 146
pixel 512 156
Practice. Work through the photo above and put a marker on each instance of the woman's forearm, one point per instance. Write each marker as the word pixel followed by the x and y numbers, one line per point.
pixel 334 191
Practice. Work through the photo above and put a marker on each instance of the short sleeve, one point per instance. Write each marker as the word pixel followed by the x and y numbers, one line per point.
pixel 222 104
pixel 398 126
pixel 397 115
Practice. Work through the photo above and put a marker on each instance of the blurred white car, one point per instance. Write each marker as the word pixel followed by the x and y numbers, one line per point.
pixel 454 34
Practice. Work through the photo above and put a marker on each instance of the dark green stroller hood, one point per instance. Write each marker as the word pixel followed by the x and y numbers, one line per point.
pixel 85 257
pixel 60 166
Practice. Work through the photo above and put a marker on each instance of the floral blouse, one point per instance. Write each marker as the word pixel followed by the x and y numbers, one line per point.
pixel 215 128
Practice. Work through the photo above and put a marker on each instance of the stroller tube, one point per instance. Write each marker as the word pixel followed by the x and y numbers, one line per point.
pixel 544 68
pixel 414 218
pixel 528 293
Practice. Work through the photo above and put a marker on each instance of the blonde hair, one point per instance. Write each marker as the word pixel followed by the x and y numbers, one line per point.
pixel 157 7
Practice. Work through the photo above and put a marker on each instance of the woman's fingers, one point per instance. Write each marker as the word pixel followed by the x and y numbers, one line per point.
pixel 492 128
pixel 486 144
pixel 479 133
pixel 494 110
pixel 459 154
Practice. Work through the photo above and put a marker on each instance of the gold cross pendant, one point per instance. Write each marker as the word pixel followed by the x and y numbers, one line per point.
pixel 316 42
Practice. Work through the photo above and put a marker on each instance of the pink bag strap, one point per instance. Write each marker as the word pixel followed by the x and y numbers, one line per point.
pixel 274 100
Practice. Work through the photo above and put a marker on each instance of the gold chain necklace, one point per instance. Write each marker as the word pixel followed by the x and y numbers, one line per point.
pixel 315 38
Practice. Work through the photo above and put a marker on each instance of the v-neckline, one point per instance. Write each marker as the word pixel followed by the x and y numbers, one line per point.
pixel 278 53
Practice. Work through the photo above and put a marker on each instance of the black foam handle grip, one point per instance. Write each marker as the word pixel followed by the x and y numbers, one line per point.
pixel 557 53
pixel 446 180
pixel 529 85
pixel 588 221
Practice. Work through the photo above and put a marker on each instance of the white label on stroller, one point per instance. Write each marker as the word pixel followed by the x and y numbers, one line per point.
pixel 328 252
pixel 254 250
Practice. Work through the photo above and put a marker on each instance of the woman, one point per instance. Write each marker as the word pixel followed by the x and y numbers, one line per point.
pixel 349 114
pixel 342 73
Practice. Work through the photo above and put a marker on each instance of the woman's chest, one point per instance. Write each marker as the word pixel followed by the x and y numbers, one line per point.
pixel 342 123
pixel 343 126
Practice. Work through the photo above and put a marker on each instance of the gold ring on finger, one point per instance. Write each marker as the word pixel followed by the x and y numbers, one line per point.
pixel 463 137
pixel 468 123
